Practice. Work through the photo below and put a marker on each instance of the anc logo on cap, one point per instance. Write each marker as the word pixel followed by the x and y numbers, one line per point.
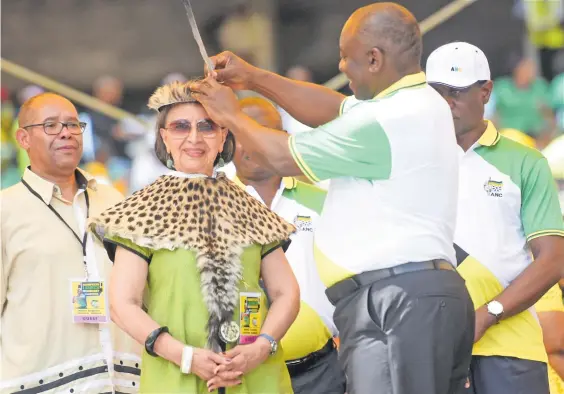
pixel 456 69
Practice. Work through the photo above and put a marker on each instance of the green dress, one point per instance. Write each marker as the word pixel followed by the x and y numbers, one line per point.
pixel 175 297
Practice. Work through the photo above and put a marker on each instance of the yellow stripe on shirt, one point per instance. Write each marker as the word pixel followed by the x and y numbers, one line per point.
pixel 519 336
pixel 300 161
pixel 306 335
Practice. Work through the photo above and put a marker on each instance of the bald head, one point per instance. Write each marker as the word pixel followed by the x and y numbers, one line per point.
pixel 54 151
pixel 29 108
pixel 262 111
pixel 391 28
pixel 379 45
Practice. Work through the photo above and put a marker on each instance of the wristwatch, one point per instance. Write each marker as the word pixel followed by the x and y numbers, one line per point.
pixel 273 343
pixel 152 338
pixel 495 309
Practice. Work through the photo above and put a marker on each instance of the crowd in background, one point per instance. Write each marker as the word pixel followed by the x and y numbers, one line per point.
pixel 527 104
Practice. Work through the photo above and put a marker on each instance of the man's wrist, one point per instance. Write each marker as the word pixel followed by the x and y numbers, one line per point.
pixel 254 78
pixel 236 121
pixel 495 309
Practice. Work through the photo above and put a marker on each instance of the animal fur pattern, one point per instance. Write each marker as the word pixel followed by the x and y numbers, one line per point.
pixel 172 93
pixel 212 216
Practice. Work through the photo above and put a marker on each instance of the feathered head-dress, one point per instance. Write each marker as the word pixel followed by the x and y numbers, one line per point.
pixel 210 215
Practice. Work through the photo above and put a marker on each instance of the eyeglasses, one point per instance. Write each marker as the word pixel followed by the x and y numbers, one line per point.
pixel 54 128
pixel 181 128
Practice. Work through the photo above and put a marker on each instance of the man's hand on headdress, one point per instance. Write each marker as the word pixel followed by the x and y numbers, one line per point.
pixel 231 70
pixel 219 101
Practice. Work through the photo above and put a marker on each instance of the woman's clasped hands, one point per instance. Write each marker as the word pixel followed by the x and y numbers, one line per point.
pixel 226 369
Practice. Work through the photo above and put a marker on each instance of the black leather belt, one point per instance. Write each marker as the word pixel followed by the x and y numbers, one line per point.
pixel 348 286
pixel 300 365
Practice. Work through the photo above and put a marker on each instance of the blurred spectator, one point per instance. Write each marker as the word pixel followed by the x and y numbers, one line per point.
pixel 8 148
pixel 544 24
pixel 299 73
pixel 557 95
pixel 523 102
pixel 249 34
pixel 106 131
pixel 554 153
pixel 23 95
pixel 291 125
pixel 88 140
pixel 489 108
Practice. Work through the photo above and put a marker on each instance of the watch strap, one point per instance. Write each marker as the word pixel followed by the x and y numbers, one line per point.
pixel 152 338
pixel 271 340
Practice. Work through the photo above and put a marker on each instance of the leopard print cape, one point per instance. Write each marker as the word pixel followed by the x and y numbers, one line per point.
pixel 212 216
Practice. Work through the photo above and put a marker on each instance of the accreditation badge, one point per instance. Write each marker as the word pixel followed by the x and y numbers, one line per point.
pixel 88 301
pixel 250 316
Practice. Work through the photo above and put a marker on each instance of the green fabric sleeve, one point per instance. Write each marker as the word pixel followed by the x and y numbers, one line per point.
pixel 354 144
pixel 111 243
pixel 540 208
pixel 271 247
pixel 309 196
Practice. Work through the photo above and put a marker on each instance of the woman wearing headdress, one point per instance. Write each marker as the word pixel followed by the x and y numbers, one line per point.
pixel 199 245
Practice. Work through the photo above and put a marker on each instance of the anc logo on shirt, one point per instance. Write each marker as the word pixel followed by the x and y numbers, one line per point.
pixel 456 69
pixel 303 223
pixel 494 188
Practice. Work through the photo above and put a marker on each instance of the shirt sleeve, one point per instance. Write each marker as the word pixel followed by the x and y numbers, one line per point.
pixel 354 144
pixel 540 208
pixel 271 247
pixel 111 244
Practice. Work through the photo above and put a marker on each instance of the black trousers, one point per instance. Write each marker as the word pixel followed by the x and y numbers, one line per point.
pixel 507 375
pixel 407 334
pixel 323 377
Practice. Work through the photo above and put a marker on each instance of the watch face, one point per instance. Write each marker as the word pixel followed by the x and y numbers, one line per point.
pixel 495 308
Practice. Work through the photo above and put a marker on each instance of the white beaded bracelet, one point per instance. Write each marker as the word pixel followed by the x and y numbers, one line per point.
pixel 187 355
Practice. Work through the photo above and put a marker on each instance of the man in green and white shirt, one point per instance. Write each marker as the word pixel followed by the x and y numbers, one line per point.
pixel 384 244
pixel 509 233
pixel 308 346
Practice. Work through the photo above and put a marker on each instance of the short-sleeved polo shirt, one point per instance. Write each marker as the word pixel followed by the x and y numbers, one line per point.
pixel 393 167
pixel 507 197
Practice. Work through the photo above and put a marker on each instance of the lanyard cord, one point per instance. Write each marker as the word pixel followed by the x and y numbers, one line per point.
pixel 83 241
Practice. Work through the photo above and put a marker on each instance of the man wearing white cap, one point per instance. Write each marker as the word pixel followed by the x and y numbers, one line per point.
pixel 509 234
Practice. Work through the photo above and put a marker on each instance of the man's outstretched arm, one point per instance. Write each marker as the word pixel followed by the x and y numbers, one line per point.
pixel 351 145
pixel 309 103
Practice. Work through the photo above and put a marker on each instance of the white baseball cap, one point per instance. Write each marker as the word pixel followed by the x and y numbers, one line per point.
pixel 458 65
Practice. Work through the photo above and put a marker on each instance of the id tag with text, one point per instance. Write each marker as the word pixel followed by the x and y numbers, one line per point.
pixel 88 301
pixel 250 316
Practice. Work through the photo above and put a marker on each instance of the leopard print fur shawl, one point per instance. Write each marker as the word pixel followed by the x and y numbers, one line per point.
pixel 212 216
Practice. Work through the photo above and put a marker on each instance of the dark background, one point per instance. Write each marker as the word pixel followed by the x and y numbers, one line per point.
pixel 140 41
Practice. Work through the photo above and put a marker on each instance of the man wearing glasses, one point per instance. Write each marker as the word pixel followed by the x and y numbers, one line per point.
pixel 56 332
pixel 509 233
